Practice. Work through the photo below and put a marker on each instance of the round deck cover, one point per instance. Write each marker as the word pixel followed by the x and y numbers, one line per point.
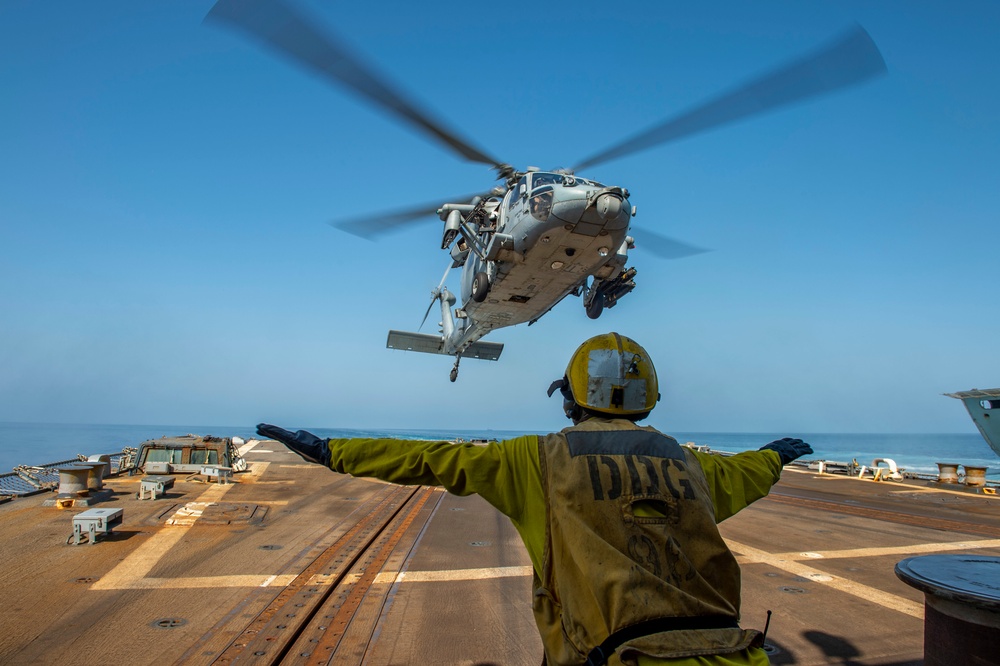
pixel 971 579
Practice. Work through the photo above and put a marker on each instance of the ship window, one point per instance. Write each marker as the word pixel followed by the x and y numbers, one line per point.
pixel 204 457
pixel 989 404
pixel 172 456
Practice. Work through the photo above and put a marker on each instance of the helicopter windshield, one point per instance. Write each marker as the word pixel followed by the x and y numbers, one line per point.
pixel 538 179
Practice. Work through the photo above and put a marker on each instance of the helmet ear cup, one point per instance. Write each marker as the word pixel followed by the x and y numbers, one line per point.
pixel 572 410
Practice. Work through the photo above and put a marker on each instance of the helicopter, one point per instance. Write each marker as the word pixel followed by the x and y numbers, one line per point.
pixel 539 236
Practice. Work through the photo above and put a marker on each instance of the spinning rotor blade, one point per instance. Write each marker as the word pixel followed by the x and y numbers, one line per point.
pixel 434 296
pixel 850 60
pixel 278 26
pixel 371 226
pixel 665 247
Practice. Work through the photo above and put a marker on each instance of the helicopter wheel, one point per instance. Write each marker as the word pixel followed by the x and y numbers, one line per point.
pixel 454 374
pixel 480 287
pixel 596 306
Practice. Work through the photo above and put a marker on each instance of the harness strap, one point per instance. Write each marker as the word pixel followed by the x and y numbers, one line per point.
pixel 600 654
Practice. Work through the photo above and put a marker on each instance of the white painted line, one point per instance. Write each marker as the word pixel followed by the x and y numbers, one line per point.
pixel 140 561
pixel 453 575
pixel 205 582
pixel 249 446
pixel 129 573
pixel 914 549
pixel 750 555
pixel 447 575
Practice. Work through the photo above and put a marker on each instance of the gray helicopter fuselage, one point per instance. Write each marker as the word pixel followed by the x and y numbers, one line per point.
pixel 543 240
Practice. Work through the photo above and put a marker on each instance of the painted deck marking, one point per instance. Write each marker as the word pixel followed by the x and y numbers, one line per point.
pixel 750 555
pixel 894 550
pixel 446 575
pixel 131 572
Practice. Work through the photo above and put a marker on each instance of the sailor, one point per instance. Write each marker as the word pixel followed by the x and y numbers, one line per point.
pixel 619 520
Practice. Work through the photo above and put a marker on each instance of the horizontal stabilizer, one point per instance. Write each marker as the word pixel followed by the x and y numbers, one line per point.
pixel 434 344
pixel 421 342
pixel 487 351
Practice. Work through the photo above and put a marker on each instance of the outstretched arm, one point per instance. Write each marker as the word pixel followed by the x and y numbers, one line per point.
pixel 495 471
pixel 737 481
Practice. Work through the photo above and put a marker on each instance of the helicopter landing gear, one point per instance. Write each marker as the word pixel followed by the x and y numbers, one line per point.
pixel 596 306
pixel 480 287
pixel 454 371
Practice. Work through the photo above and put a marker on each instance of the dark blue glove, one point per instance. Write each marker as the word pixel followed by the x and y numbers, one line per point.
pixel 789 449
pixel 307 445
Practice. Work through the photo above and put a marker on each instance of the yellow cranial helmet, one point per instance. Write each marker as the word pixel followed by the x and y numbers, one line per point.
pixel 612 374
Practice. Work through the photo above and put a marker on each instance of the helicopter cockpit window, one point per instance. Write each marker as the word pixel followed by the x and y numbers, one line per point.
pixel 516 192
pixel 539 179
pixel 541 203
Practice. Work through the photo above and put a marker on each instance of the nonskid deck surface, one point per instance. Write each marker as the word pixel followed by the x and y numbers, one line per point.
pixel 295 564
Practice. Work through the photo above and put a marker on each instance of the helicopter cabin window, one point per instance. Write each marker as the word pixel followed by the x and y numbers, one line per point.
pixel 510 198
pixel 516 192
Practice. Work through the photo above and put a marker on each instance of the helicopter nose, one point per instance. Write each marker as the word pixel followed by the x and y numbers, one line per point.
pixel 609 206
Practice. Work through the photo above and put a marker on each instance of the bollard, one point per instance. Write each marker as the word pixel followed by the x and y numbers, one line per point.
pixel 961 607
pixel 95 474
pixel 103 458
pixel 73 481
pixel 975 476
pixel 947 472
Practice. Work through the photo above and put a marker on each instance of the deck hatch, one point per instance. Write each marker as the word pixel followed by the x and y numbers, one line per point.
pixel 215 513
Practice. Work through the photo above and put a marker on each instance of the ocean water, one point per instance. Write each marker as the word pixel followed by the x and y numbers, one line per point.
pixel 39 443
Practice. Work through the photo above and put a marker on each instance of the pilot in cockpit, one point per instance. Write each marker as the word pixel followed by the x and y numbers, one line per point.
pixel 541 205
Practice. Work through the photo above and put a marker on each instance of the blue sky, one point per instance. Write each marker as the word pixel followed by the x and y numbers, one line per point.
pixel 165 187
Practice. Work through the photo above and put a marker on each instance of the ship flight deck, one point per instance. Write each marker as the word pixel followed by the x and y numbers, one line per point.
pixel 290 563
